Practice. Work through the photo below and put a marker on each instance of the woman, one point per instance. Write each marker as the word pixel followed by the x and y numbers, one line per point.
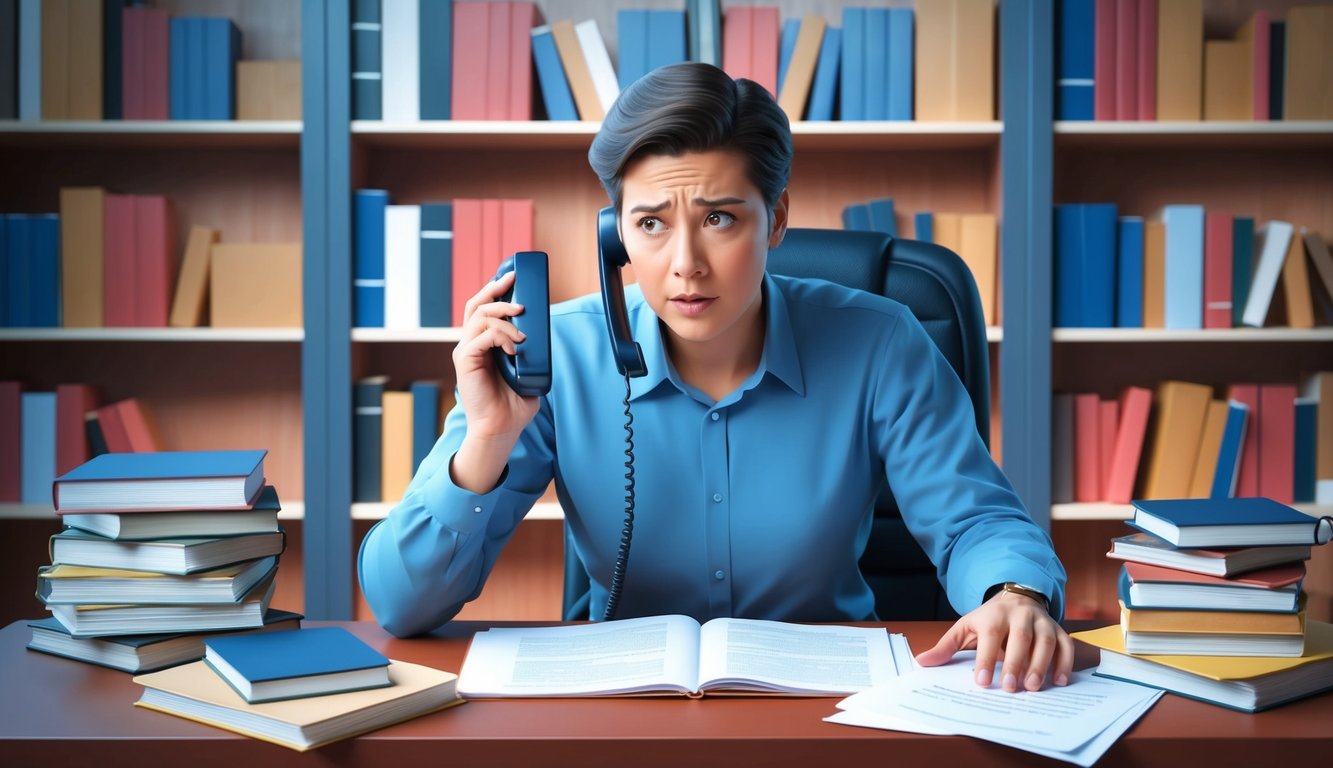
pixel 772 409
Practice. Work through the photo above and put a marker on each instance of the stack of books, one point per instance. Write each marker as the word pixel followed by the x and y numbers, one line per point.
pixel 1212 606
pixel 159 550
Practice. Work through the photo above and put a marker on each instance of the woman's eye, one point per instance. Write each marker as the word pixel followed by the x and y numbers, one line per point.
pixel 649 225
pixel 720 219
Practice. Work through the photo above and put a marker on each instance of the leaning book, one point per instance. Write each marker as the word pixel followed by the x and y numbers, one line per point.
pixel 1249 684
pixel 169 480
pixel 195 692
pixel 666 655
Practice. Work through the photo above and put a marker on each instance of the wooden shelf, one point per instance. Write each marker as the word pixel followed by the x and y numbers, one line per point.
pixel 264 335
pixel 542 510
pixel 1202 135
pixel 155 134
pixel 1164 335
pixel 1109 511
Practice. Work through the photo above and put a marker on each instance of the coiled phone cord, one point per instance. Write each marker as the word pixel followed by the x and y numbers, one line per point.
pixel 626 533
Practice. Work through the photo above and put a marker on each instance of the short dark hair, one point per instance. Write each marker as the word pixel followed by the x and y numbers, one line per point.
pixel 695 107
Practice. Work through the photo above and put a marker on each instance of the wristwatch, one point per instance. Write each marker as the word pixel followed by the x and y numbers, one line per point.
pixel 1020 589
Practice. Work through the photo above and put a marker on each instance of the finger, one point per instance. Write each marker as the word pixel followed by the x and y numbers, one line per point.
pixel 488 294
pixel 491 316
pixel 1064 658
pixel 1017 651
pixel 950 642
pixel 990 645
pixel 1043 650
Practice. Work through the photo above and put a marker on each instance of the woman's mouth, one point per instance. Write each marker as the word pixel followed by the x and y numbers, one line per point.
pixel 691 305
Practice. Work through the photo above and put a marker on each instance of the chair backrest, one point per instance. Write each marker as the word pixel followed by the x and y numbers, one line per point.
pixel 936 285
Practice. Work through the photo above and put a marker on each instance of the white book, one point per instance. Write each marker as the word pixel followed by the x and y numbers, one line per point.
pixel 402 266
pixel 38 429
pixel 599 63
pixel 1275 237
pixel 400 48
pixel 30 60
pixel 1184 266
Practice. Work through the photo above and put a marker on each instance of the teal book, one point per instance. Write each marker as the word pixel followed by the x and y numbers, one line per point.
pixel 273 666
pixel 1242 266
pixel 167 480
pixel 1240 522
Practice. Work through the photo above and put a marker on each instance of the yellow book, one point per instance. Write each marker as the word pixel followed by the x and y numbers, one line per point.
pixel 1308 89
pixel 1154 274
pixel 979 246
pixel 1208 622
pixel 1180 411
pixel 1205 464
pixel 195 692
pixel 1296 285
pixel 801 71
pixel 1180 60
pixel 82 220
pixel 955 61
pixel 1227 80
pixel 396 444
pixel 187 308
pixel 948 231
pixel 255 285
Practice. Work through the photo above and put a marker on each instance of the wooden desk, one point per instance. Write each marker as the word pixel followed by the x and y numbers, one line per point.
pixel 56 712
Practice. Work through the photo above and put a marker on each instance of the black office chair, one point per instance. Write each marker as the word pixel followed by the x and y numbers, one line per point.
pixel 937 286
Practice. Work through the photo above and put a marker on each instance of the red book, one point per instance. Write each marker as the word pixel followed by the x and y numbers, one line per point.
pixel 155 231
pixel 1135 405
pixel 497 61
pixel 765 40
pixel 1218 242
pixel 467 254
pixel 113 430
pixel 516 222
pixel 11 440
pixel 523 17
pixel 737 49
pixel 139 427
pixel 1277 441
pixel 1268 578
pixel 132 63
pixel 1147 68
pixel 1108 413
pixel 1087 448
pixel 1104 90
pixel 467 98
pixel 1127 60
pixel 1247 473
pixel 73 402
pixel 121 267
pixel 1260 30
pixel 146 54
pixel 492 237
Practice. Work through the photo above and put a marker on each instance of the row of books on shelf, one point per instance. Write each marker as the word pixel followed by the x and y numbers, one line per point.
pixel 1273 440
pixel 392 432
pixel 1149 60
pixel 1187 268
pixel 1212 604
pixel 113 260
pixel 415 266
pixel 441 60
pixel 973 236
pixel 117 60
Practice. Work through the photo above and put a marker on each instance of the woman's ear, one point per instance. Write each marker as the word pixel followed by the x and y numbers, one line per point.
pixel 778 229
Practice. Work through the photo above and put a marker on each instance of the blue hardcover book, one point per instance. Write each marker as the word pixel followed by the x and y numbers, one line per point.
pixel 1236 522
pixel 196 69
pixel 632 36
pixel 222 47
pixel 38 467
pixel 786 47
pixel 1074 60
pixel 271 666
pixel 367 439
pixel 666 38
pixel 902 55
pixel 875 63
pixel 706 31
pixel 1242 266
pixel 368 276
pixel 178 76
pixel 437 265
pixel 1307 435
pixel 1085 265
pixel 425 419
pixel 4 271
pixel 924 221
pixel 856 216
pixel 1229 451
pixel 853 93
pixel 556 95
pixel 18 251
pixel 1277 67
pixel 113 12
pixel 1184 266
pixel 367 69
pixel 134 481
pixel 824 89
pixel 1129 273
pixel 882 218
pixel 435 50
pixel 44 271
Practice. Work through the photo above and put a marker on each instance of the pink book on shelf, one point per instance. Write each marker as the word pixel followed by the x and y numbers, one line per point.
pixel 467 254
pixel 11 440
pixel 1108 421
pixel 1247 472
pixel 1127 60
pixel 1104 69
pixel 1147 69
pixel 1135 405
pixel 1257 31
pixel 516 223
pixel 156 68
pixel 497 61
pixel 492 239
pixel 113 429
pixel 1087 448
pixel 523 17
pixel 737 48
pixel 120 266
pixel 138 424
pixel 155 230
pixel 1218 241
pixel 73 402
pixel 467 98
pixel 1277 441
pixel 132 63
pixel 765 40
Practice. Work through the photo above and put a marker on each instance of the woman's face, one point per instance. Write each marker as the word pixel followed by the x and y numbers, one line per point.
pixel 698 233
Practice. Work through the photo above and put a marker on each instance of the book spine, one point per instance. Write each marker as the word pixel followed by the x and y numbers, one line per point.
pixel 632 38
pixel 1247 464
pixel 402 266
pixel 400 83
pixel 825 82
pixel 875 64
pixel 470 43
pixel 791 29
pixel 467 278
pixel 113 36
pixel 73 402
pixel 1218 257
pixel 425 419
pixel 44 271
pixel 498 76
pixel 1277 440
pixel 900 65
pixel 556 95
pixel 1180 60
pixel 1277 68
pixel 1184 266
pixel 30 60
pixel 156 71
pixel 1104 61
pixel 765 38
pixel 1075 60
pixel 9 60
pixel 599 62
pixel 523 17
pixel 81 236
pixel 11 440
pixel 1147 67
pixel 1127 60
pixel 85 61
pixel 435 38
pixel 853 85
pixel 395 445
pixel 368 281
pixel 1306 417
pixel 923 228
pixel 1227 472
pixel 1062 448
pixel 367 71
pixel 156 254
pixel 1087 448
pixel 1242 266
pixel 367 440
pixel 1129 273
pixel 1274 238
pixel 55 59
pixel 132 61
pixel 1135 406
pixel 437 264
pixel 39 447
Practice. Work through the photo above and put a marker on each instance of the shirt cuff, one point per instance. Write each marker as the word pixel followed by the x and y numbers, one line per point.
pixel 459 509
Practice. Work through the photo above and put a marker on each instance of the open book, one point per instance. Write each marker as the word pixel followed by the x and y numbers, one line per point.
pixel 674 654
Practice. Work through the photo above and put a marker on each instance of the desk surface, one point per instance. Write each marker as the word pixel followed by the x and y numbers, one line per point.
pixel 55 711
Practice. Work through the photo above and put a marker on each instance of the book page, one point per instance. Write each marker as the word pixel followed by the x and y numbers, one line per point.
pixel 774 656
pixel 655 653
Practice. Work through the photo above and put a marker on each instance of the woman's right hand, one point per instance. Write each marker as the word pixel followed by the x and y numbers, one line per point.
pixel 496 414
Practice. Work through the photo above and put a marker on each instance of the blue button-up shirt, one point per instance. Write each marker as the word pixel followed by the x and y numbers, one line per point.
pixel 757 505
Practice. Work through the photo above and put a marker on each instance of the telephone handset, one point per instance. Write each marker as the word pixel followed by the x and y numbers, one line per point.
pixel 611 256
pixel 529 371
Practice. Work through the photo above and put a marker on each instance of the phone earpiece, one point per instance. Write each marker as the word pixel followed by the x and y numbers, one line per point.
pixel 611 257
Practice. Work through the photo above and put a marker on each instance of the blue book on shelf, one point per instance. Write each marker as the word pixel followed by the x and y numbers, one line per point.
pixel 367 69
pixel 1307 435
pixel 1234 522
pixel 1074 60
pixel 18 250
pixel 368 275
pixel 435 32
pixel 437 265
pixel 4 271
pixel 222 47
pixel 367 439
pixel 294 663
pixel 1229 451
pixel 1129 273
pixel 1085 265
pixel 1242 266
pixel 112 51
pixel 856 216
pixel 425 419
pixel 786 47
pixel 924 222
pixel 901 55
pixel 853 86
pixel 196 69
pixel 875 63
pixel 1184 266
pixel 556 95
pixel 178 75
pixel 44 271
pixel 825 85
pixel 1277 67
pixel 882 218
pixel 666 38
pixel 38 430
pixel 632 39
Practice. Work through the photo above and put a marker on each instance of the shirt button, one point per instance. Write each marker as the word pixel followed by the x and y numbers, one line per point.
pixel 714 416
pixel 719 575
pixel 476 510
pixel 717 497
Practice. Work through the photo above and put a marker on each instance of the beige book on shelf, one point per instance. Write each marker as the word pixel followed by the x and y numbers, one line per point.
pixel 1180 60
pixel 1154 274
pixel 396 444
pixel 978 245
pixel 576 70
pixel 954 67
pixel 268 90
pixel 1308 88
pixel 85 61
pixel 1228 80
pixel 801 70
pixel 1296 284
pixel 187 306
pixel 255 285
pixel 1317 250
pixel 1181 409
pixel 948 231
pixel 1210 443
pixel 82 216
